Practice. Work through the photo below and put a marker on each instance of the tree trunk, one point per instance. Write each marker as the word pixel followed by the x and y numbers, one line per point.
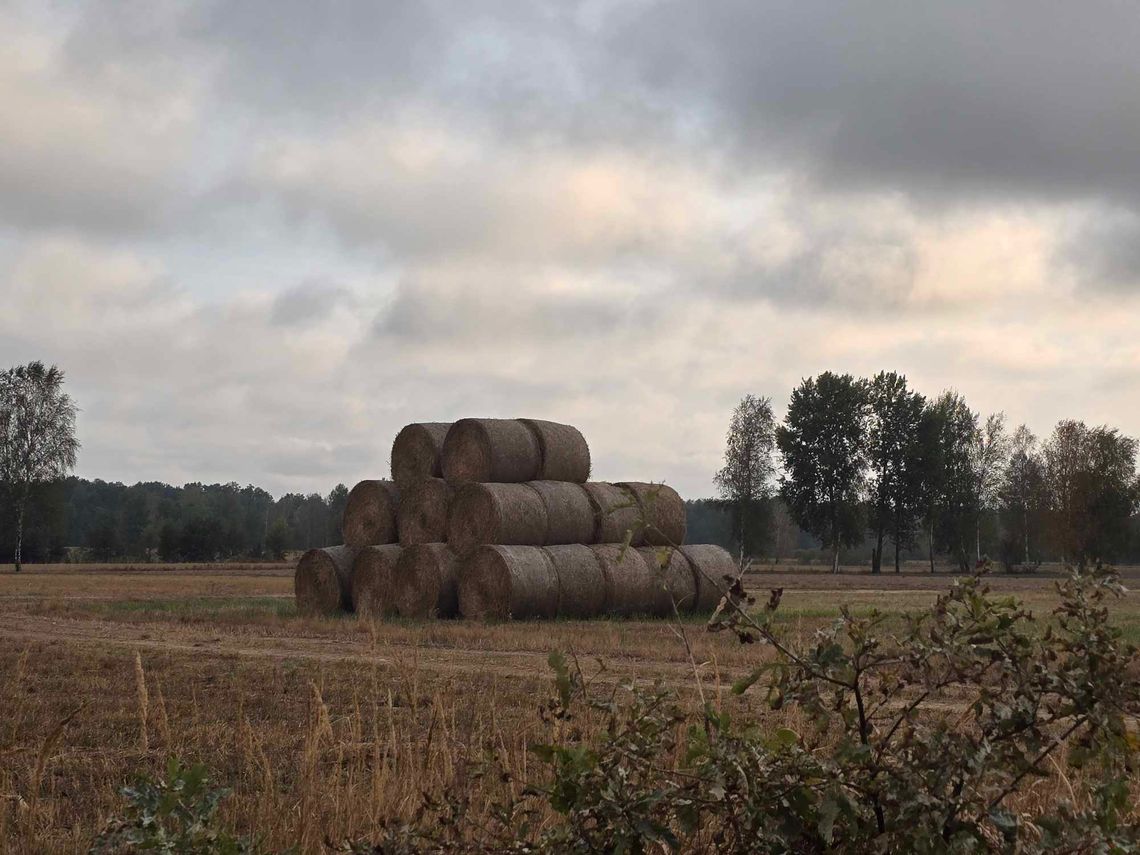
pixel 835 558
pixel 1027 536
pixel 897 562
pixel 978 534
pixel 20 502
pixel 877 555
pixel 930 542
pixel 741 512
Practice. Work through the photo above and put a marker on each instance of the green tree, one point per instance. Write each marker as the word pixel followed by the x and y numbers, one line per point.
pixel 893 454
pixel 37 435
pixel 745 479
pixel 823 446
pixel 337 501
pixel 956 503
pixel 1022 495
pixel 989 456
pixel 277 539
pixel 1091 479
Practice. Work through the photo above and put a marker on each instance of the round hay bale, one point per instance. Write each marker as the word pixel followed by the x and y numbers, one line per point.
pixel 662 510
pixel 426 582
pixel 633 585
pixel 569 515
pixel 370 514
pixel 496 513
pixel 490 450
pixel 423 512
pixel 373 581
pixel 582 583
pixel 674 577
pixel 416 451
pixel 500 582
pixel 711 564
pixel 563 451
pixel 322 583
pixel 616 513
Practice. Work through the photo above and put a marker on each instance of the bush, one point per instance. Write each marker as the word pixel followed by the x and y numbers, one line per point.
pixel 173 814
pixel 920 738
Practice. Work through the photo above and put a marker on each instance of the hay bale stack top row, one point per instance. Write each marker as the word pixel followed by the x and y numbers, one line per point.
pixel 506 451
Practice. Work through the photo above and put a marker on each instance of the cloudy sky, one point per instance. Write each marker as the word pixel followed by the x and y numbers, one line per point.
pixel 262 236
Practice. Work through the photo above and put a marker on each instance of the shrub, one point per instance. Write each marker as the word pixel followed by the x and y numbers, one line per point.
pixel 173 814
pixel 920 737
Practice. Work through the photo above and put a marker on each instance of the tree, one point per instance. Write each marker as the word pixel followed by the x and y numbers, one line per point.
pixel 337 502
pixel 37 435
pixel 1022 494
pixel 277 539
pixel 956 502
pixel 1091 478
pixel 893 432
pixel 748 468
pixel 822 443
pixel 989 454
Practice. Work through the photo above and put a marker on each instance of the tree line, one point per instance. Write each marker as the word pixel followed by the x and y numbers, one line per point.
pixel 858 459
pixel 74 518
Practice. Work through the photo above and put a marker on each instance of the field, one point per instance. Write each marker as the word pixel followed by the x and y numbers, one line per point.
pixel 325 729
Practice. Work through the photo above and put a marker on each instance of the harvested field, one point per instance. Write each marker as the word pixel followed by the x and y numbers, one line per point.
pixel 238 680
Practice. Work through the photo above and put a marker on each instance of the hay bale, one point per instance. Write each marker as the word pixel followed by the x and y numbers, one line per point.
pixel 563 450
pixel 373 581
pixel 496 513
pixel 370 514
pixel 711 564
pixel 498 450
pixel 616 513
pixel 662 511
pixel 500 582
pixel 427 582
pixel 633 585
pixel 416 452
pixel 675 581
pixel 582 582
pixel 569 514
pixel 322 582
pixel 423 512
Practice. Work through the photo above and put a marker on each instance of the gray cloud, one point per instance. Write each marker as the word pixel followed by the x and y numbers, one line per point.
pixel 262 236
pixel 306 303
pixel 1103 252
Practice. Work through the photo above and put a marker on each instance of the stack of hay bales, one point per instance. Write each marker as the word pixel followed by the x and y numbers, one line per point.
pixel 497 519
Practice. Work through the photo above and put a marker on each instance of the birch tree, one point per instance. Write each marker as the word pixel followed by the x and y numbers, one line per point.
pixel 37 435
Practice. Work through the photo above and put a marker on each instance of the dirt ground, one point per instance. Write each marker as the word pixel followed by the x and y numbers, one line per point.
pixel 324 729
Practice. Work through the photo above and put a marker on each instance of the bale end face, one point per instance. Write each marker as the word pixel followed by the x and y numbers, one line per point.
pixel 416 452
pixel 370 514
pixel 321 582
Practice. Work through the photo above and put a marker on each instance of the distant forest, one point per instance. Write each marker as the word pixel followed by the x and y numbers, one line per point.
pixel 81 520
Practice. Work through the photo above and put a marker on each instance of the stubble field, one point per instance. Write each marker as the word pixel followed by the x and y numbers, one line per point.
pixel 326 729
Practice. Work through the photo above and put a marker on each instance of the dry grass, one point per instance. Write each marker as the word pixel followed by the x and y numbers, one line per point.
pixel 323 727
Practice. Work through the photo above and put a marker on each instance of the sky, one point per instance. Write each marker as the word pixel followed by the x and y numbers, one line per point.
pixel 260 237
